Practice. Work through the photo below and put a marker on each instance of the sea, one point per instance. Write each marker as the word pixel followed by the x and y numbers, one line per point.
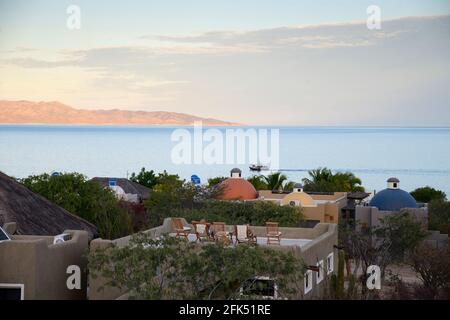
pixel 417 156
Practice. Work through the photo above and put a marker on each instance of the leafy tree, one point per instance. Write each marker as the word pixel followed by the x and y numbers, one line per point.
pixel 393 241
pixel 215 181
pixel 433 265
pixel 170 268
pixel 145 178
pixel 439 216
pixel 258 182
pixel 427 194
pixel 397 237
pixel 275 181
pixel 86 199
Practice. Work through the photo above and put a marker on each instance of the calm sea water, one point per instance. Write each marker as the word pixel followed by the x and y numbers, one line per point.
pixel 417 156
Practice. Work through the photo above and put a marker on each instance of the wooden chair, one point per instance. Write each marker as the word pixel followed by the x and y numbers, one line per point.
pixel 180 229
pixel 272 233
pixel 202 230
pixel 220 234
pixel 243 234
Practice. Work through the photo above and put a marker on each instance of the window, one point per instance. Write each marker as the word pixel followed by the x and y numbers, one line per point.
pixel 9 291
pixel 308 281
pixel 395 184
pixel 330 263
pixel 293 203
pixel 3 235
pixel 320 274
pixel 262 287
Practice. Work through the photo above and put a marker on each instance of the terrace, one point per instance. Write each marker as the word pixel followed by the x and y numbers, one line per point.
pixel 313 245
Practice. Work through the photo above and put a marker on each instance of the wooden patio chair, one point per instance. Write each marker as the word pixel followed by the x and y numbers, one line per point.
pixel 243 234
pixel 220 233
pixel 202 230
pixel 272 233
pixel 180 230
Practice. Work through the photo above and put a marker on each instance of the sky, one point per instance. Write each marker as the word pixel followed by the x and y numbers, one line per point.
pixel 261 62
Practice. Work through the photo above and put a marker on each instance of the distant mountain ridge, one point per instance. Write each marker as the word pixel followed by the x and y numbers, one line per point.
pixel 28 112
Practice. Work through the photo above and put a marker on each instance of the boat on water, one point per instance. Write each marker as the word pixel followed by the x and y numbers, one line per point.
pixel 258 167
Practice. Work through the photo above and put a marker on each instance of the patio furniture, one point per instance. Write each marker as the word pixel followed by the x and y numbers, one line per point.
pixel 243 234
pixel 202 230
pixel 272 233
pixel 180 230
pixel 220 233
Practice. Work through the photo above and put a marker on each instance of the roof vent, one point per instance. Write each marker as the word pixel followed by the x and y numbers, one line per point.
pixel 393 183
pixel 236 173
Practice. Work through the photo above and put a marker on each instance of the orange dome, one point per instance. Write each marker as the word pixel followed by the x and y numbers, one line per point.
pixel 237 189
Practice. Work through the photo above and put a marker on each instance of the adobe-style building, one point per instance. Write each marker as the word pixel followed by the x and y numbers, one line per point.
pixel 38 267
pixel 389 201
pixel 34 214
pixel 316 207
pixel 315 246
pixel 236 188
pixel 125 189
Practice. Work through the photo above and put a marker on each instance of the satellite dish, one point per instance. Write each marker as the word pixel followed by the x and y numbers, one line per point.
pixel 60 238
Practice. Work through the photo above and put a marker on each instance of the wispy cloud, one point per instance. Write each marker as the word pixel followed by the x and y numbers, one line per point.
pixel 325 74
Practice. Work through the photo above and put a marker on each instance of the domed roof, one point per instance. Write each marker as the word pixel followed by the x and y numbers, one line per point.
pixel 393 179
pixel 237 189
pixel 393 200
pixel 298 186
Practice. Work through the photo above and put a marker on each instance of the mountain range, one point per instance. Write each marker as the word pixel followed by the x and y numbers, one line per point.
pixel 28 112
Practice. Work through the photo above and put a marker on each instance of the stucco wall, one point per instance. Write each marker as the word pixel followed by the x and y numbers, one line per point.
pixel 324 236
pixel 41 265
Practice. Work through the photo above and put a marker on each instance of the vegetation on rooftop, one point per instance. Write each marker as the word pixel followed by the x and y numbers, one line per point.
pixel 170 268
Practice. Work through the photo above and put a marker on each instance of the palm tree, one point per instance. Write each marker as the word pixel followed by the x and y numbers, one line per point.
pixel 275 181
pixel 347 182
pixel 323 180
pixel 258 182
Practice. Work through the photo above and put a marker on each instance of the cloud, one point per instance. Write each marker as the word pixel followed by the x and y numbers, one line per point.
pixel 326 74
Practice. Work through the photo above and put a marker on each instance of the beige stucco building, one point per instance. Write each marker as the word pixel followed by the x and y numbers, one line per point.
pixel 316 207
pixel 37 268
pixel 316 246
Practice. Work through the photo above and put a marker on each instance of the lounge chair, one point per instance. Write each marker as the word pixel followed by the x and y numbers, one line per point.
pixel 243 234
pixel 220 234
pixel 180 229
pixel 202 230
pixel 272 233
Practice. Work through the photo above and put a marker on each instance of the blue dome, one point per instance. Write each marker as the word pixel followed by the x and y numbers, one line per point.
pixel 393 200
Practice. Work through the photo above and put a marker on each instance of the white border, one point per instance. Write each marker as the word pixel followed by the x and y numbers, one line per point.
pixel 308 275
pixel 321 272
pixel 330 267
pixel 20 286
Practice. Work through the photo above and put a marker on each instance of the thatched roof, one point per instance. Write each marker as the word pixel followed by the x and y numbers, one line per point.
pixel 127 185
pixel 35 215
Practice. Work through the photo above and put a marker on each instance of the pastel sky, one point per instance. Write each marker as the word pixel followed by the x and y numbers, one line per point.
pixel 277 62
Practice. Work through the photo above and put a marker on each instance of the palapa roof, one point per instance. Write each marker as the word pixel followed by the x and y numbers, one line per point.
pixel 127 185
pixel 34 214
